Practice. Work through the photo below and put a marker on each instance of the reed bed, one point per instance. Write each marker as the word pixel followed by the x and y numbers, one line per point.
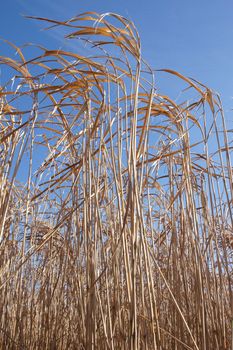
pixel 116 200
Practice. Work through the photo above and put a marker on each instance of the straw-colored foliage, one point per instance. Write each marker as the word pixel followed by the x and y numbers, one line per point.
pixel 116 201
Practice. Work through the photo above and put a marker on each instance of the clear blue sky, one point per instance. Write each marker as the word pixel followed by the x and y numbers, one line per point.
pixel 194 37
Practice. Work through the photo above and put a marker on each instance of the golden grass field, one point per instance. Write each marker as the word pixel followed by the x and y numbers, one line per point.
pixel 116 220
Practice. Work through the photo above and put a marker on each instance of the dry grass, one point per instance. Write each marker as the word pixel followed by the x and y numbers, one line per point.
pixel 121 235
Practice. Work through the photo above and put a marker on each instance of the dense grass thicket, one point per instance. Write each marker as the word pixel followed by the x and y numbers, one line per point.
pixel 116 220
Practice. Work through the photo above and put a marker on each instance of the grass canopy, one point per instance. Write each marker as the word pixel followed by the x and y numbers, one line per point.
pixel 116 227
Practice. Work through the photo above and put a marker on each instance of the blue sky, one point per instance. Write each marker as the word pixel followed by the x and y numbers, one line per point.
pixel 193 37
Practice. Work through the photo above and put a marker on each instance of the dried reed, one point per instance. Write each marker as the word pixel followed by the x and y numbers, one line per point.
pixel 121 235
